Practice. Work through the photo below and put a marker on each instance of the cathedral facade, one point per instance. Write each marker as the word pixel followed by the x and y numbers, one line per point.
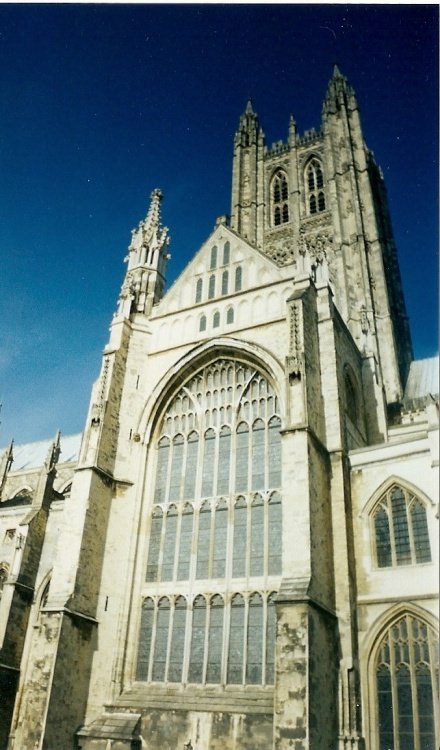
pixel 239 552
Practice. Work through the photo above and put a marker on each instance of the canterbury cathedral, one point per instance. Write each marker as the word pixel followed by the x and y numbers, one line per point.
pixel 239 550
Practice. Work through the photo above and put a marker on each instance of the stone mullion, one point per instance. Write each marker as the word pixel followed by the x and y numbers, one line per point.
pixel 180 508
pixel 394 701
pixel 264 638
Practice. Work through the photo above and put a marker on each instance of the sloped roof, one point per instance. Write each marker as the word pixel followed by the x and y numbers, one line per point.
pixel 33 455
pixel 423 379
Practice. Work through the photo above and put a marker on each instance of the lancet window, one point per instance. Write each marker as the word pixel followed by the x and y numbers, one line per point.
pixel 406 686
pixel 314 179
pixel 216 514
pixel 211 640
pixel 400 529
pixel 280 198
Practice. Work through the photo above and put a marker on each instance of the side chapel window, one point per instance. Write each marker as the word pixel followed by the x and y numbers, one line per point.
pixel 280 199
pixel 315 187
pixel 406 686
pixel 400 529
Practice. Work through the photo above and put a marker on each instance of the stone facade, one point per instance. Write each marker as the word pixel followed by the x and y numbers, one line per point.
pixel 240 551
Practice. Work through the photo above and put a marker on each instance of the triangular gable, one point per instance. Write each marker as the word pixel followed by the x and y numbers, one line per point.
pixel 215 274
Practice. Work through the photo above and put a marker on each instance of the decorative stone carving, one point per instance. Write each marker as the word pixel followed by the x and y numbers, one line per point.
pixel 280 246
pixel 296 344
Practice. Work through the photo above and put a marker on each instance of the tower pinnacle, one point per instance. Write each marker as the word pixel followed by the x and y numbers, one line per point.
pixel 148 253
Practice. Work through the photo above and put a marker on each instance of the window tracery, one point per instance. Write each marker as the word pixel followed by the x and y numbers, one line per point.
pixel 216 514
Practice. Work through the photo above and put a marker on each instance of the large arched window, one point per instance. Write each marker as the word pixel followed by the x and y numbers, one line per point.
pixel 406 697
pixel 280 198
pixel 314 180
pixel 400 529
pixel 215 517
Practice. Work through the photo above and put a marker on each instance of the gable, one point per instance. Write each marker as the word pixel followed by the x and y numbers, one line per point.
pixel 224 266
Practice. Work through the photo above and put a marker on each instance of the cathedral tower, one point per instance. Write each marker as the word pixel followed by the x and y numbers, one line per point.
pixel 245 558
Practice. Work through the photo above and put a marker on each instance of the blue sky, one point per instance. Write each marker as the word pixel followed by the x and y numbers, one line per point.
pixel 100 104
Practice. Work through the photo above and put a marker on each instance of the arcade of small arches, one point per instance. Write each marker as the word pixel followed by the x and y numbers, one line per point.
pixel 219 283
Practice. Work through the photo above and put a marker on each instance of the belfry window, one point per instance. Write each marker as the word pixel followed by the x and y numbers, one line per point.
pixel 216 515
pixel 406 685
pixel 280 199
pixel 400 529
pixel 314 180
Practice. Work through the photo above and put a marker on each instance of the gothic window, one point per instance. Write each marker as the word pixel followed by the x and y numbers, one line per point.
pixel 406 685
pixel 226 253
pixel 211 287
pixel 154 546
pixel 220 540
pixel 199 290
pixel 236 640
pixel 225 280
pixel 175 667
pixel 240 538
pixel 257 537
pixel 280 199
pixel 275 530
pixel 191 466
pixel 208 463
pixel 216 319
pixel 145 637
pixel 238 279
pixel 162 469
pixel 224 460
pixel 161 641
pixel 186 532
pixel 195 673
pixel 314 181
pixel 176 468
pixel 213 260
pixel 258 454
pixel 215 643
pixel 229 315
pixel 242 457
pixel 254 661
pixel 169 547
pixel 400 529
pixel 216 516
pixel 202 324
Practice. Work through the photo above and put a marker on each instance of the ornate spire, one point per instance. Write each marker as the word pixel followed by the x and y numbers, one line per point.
pixel 249 129
pixel 147 256
pixel 5 465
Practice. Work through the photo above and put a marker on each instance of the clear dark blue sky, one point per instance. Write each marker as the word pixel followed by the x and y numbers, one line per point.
pixel 102 103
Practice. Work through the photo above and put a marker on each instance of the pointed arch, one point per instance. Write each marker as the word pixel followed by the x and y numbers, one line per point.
pixel 314 184
pixel 400 684
pixel 279 194
pixel 399 527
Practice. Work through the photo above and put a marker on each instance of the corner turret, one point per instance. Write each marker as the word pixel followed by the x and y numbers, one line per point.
pixel 144 281
pixel 339 93
pixel 247 206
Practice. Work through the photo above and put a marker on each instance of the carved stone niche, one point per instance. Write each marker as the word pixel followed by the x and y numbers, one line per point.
pixel 280 246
